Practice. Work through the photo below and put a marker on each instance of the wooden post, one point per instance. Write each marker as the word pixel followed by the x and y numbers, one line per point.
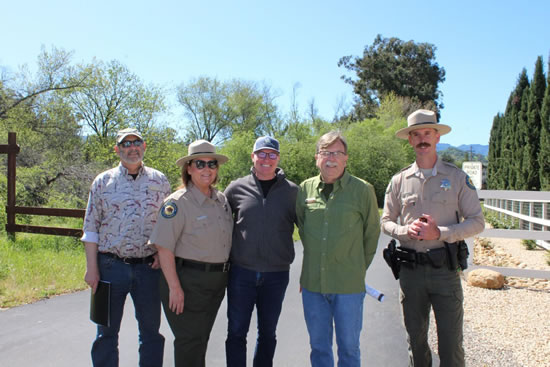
pixel 13 149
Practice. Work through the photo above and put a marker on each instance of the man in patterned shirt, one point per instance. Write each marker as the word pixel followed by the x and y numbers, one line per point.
pixel 121 212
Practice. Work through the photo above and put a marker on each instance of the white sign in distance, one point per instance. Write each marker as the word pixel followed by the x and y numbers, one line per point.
pixel 476 172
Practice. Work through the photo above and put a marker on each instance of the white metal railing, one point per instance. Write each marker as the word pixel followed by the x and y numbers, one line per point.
pixel 530 211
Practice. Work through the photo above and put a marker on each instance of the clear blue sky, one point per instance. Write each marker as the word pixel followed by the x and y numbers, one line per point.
pixel 483 45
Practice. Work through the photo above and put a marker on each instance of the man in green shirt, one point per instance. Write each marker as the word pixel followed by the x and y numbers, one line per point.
pixel 339 226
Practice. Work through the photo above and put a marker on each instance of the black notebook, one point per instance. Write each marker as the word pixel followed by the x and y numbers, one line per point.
pixel 100 310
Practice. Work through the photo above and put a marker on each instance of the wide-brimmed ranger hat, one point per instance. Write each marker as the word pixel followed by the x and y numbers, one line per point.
pixel 201 149
pixel 422 119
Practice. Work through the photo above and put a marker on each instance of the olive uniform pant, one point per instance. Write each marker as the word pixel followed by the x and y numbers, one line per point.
pixel 203 292
pixel 423 287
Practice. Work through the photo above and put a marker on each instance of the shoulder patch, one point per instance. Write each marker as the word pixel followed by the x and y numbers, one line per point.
pixel 469 183
pixel 169 210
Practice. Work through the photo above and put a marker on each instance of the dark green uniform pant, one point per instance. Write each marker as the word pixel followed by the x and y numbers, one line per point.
pixel 203 292
pixel 423 287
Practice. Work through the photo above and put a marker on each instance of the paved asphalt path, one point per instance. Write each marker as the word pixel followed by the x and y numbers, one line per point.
pixel 57 332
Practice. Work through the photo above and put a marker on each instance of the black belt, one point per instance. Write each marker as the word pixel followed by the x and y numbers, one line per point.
pixel 130 260
pixel 422 258
pixel 435 257
pixel 217 267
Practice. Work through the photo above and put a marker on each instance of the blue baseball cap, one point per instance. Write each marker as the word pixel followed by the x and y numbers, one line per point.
pixel 266 142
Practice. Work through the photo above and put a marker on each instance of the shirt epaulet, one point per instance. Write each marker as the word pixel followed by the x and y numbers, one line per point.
pixel 449 164
pixel 178 194
pixel 405 168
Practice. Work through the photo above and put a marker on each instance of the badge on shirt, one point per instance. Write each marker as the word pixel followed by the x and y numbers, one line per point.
pixel 445 184
pixel 469 183
pixel 169 210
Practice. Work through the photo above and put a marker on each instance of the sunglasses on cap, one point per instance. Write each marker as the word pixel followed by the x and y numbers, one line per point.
pixel 129 143
pixel 200 164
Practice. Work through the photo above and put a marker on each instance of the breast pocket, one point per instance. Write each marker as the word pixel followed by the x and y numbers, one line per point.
pixel 199 225
pixel 445 198
pixel 409 200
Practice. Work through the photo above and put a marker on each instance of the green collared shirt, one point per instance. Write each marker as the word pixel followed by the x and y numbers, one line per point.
pixel 339 234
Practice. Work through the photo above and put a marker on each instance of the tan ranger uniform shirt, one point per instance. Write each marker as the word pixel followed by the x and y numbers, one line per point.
pixel 448 190
pixel 194 226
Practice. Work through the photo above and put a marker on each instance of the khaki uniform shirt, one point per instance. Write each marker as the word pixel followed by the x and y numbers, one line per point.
pixel 194 226
pixel 122 211
pixel 449 190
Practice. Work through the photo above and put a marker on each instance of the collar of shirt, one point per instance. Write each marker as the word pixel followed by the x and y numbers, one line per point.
pixel 200 197
pixel 124 171
pixel 278 172
pixel 339 184
pixel 439 167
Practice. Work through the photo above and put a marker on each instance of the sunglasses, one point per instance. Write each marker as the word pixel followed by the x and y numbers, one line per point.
pixel 129 143
pixel 263 155
pixel 200 164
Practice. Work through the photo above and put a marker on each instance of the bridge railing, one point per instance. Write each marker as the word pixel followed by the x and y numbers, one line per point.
pixel 527 210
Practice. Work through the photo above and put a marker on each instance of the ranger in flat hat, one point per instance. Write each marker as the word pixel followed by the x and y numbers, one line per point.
pixel 193 239
pixel 430 207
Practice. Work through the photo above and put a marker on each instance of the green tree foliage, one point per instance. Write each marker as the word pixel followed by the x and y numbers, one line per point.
pixel 518 146
pixel 215 110
pixel 298 158
pixel 54 74
pixel 407 69
pixel 238 149
pixel 164 148
pixel 113 98
pixel 530 164
pixel 544 152
pixel 494 173
pixel 374 156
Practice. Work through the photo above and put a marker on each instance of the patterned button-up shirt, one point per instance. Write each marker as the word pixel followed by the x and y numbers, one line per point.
pixel 122 211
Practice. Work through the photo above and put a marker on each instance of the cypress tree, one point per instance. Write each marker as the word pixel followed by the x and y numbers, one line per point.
pixel 517 178
pixel 544 151
pixel 493 168
pixel 530 164
pixel 511 152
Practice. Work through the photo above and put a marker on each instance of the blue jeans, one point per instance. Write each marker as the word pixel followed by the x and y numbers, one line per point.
pixel 248 288
pixel 142 282
pixel 345 312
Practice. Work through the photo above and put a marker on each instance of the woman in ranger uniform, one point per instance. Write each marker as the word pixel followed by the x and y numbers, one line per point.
pixel 193 238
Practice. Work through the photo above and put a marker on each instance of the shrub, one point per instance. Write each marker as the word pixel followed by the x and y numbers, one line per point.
pixel 529 244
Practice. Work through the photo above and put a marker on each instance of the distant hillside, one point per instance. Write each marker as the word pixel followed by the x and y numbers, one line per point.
pixel 476 148
pixel 457 156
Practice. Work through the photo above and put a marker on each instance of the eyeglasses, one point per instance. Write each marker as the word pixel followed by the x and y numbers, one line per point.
pixel 200 164
pixel 129 143
pixel 326 153
pixel 263 155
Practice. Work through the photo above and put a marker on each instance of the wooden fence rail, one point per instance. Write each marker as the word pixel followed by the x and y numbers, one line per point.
pixel 12 149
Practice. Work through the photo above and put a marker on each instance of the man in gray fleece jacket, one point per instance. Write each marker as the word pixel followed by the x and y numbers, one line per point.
pixel 264 212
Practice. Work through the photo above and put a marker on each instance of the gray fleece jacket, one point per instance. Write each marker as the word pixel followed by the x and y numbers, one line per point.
pixel 263 227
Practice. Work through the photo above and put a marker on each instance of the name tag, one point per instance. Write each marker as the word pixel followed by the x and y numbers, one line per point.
pixel 202 217
pixel 155 188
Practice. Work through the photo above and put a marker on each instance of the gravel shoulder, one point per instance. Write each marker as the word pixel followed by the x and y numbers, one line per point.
pixel 509 327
